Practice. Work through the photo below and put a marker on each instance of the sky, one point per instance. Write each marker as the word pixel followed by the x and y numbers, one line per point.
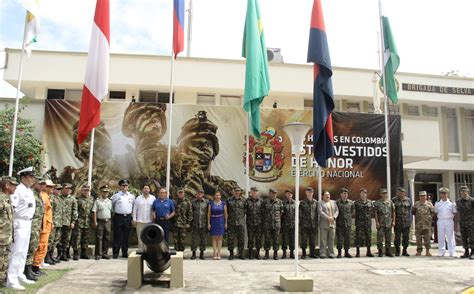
pixel 432 36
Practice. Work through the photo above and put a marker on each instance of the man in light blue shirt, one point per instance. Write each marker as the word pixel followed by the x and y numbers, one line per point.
pixel 122 205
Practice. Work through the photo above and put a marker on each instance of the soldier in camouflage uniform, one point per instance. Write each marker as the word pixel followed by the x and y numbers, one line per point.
pixel 69 218
pixel 465 206
pixel 236 224
pixel 7 188
pixel 309 224
pixel 182 219
pixel 423 211
pixel 403 219
pixel 384 221
pixel 36 225
pixel 363 209
pixel 272 210
pixel 80 233
pixel 253 212
pixel 55 236
pixel 288 225
pixel 199 224
pixel 344 223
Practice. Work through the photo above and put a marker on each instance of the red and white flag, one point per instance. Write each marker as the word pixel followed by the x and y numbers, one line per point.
pixel 96 82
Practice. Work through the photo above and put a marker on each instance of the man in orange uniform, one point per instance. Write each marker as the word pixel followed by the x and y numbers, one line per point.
pixel 46 228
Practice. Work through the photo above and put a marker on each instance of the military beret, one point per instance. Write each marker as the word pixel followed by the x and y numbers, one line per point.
pixel 289 191
pixel 200 191
pixel 123 182
pixel 11 180
pixel 422 193
pixel 272 190
pixel 383 190
pixel 309 189
pixel 254 189
pixel 362 190
pixel 344 190
pixel 29 171
pixel 67 186
pixel 444 190
pixel 104 188
pixel 58 186
pixel 464 188
pixel 401 189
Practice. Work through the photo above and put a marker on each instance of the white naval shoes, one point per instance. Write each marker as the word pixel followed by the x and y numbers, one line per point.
pixel 15 287
pixel 24 280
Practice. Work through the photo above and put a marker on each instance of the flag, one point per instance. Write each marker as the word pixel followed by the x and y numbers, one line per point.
pixel 32 23
pixel 323 98
pixel 391 61
pixel 178 27
pixel 97 72
pixel 257 81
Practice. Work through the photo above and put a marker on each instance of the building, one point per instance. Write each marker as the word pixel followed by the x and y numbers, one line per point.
pixel 437 111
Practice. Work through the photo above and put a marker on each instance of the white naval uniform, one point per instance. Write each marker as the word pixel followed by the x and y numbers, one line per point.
pixel 23 202
pixel 445 211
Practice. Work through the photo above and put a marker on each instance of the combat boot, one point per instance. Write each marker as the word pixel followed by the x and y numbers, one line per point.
pixel 397 251
pixel 231 254
pixel 201 255
pixel 29 273
pixel 63 256
pixel 471 257
pixel 369 254
pixel 75 255
pixel 339 253
pixel 84 254
pixel 68 253
pixel 380 253
pixel 312 253
pixel 257 254
pixel 36 270
pixel 388 253
pixel 405 252
pixel 267 255
pixel 241 254
pixel 250 253
pixel 303 253
pixel 48 259
pixel 357 252
pixel 275 254
pixel 428 252
pixel 347 254
pixel 466 254
pixel 193 256
pixel 56 259
pixel 292 254
pixel 284 255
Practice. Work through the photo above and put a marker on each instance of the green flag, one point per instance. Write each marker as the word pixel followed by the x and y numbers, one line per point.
pixel 392 61
pixel 257 82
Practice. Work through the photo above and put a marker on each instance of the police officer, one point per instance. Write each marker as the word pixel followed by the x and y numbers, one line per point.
pixel 101 220
pixel 7 188
pixel 183 219
pixel 253 212
pixel 344 223
pixel 55 236
pixel 423 210
pixel 288 225
pixel 384 221
pixel 199 224
pixel 69 219
pixel 80 235
pixel 236 223
pixel 465 206
pixel 403 218
pixel 122 205
pixel 23 202
pixel 309 223
pixel 272 210
pixel 363 209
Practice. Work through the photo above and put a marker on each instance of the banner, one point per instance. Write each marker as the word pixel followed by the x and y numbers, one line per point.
pixel 208 149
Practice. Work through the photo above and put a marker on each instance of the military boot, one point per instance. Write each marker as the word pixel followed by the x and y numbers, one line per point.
pixel 29 273
pixel 84 254
pixel 388 253
pixel 339 253
pixel 312 253
pixel 357 252
pixel 48 259
pixel 251 254
pixel 471 257
pixel 231 254
pixel 275 254
pixel 347 254
pixel 241 254
pixel 201 255
pixel 284 255
pixel 56 259
pixel 267 255
pixel 292 254
pixel 36 270
pixel 369 254
pixel 303 253
pixel 466 254
pixel 75 255
pixel 63 256
pixel 68 253
pixel 428 252
pixel 405 252
pixel 380 253
pixel 257 254
pixel 193 256
pixel 397 251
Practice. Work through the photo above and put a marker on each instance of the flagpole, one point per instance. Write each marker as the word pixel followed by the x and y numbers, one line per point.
pixel 382 71
pixel 247 152
pixel 190 27
pixel 17 103
pixel 170 128
pixel 91 157
pixel 320 192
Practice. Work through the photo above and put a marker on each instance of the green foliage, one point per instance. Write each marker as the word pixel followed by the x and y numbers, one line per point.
pixel 27 148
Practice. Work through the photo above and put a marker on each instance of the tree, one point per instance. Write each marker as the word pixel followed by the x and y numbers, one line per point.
pixel 27 148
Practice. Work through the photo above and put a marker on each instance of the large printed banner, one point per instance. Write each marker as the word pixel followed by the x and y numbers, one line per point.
pixel 208 149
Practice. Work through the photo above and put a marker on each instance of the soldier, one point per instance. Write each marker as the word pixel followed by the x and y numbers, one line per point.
pixel 69 218
pixel 272 210
pixel 199 224
pixel 55 235
pixel 80 234
pixel 236 224
pixel 7 188
pixel 363 221
pixel 423 210
pixel 253 212
pixel 288 225
pixel 309 223
pixel 183 219
pixel 445 211
pixel 403 209
pixel 344 223
pixel 384 221
pixel 101 219
pixel 465 206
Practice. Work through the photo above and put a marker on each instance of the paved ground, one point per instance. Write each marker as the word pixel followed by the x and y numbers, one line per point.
pixel 356 275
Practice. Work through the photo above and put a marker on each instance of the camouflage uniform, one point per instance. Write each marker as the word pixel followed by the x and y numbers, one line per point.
pixel 236 224
pixel 80 234
pixel 55 236
pixel 69 216
pixel 383 210
pixel 309 225
pixel 199 224
pixel 344 224
pixel 465 209
pixel 403 220
pixel 183 218
pixel 423 218
pixel 253 211
pixel 6 232
pixel 272 210
pixel 36 225
pixel 363 222
pixel 288 225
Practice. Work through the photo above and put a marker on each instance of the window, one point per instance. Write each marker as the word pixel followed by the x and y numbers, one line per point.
pixel 154 97
pixel 453 139
pixel 430 111
pixel 164 97
pixel 56 94
pixel 337 106
pixel 469 120
pixel 73 94
pixel 308 104
pixel 370 108
pixel 353 107
pixel 231 100
pixel 117 95
pixel 462 179
pixel 413 110
pixel 206 99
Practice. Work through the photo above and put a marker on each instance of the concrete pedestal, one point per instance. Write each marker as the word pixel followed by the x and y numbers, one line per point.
pixel 134 271
pixel 296 284
pixel 177 271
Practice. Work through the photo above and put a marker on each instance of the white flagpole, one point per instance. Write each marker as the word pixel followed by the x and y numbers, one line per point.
pixel 382 71
pixel 91 157
pixel 247 159
pixel 170 128
pixel 17 103
pixel 190 27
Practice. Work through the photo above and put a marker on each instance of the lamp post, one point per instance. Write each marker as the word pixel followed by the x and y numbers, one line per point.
pixel 297 131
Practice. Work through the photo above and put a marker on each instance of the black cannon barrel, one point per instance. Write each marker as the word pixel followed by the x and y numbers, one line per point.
pixel 156 253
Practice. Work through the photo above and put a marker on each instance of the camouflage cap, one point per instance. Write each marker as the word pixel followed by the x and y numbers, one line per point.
pixel 180 190
pixel 104 188
pixel 344 190
pixel 401 189
pixel 237 189
pixel 11 180
pixel 86 187
pixel 254 189
pixel 58 187
pixel 383 191
pixel 422 193
pixel 289 191
pixel 464 188
pixel 309 189
pixel 444 190
pixel 199 126
pixel 273 190
pixel 67 186
pixel 200 191
pixel 362 190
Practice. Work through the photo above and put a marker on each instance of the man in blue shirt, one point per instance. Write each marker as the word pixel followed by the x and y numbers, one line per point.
pixel 162 212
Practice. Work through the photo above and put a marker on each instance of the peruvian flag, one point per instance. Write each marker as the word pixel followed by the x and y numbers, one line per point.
pixel 96 82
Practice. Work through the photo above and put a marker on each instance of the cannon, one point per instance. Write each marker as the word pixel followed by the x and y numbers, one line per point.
pixel 156 252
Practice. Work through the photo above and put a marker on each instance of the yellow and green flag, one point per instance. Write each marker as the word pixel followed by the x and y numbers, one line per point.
pixel 32 23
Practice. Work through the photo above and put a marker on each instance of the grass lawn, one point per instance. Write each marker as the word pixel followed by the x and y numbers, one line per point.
pixel 52 275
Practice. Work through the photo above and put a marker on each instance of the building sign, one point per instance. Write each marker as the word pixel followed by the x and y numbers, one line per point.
pixel 437 89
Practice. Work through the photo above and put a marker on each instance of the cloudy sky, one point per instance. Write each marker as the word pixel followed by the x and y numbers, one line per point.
pixel 432 36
